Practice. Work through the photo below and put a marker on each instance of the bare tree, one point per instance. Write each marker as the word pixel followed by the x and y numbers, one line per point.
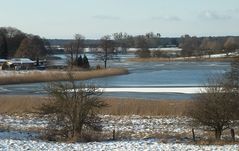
pixel 216 108
pixel 32 47
pixel 10 39
pixel 3 44
pixel 230 45
pixel 190 45
pixel 69 48
pixel 107 49
pixel 210 45
pixel 153 39
pixel 79 45
pixel 72 108
pixel 122 40
pixel 141 42
pixel 75 48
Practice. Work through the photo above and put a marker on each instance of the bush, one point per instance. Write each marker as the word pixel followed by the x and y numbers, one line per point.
pixel 86 63
pixel 157 54
pixel 72 109
pixel 5 66
pixel 80 62
pixel 216 108
pixel 143 53
pixel 98 67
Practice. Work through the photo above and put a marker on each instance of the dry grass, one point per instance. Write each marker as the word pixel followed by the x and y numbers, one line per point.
pixel 215 142
pixel 20 104
pixel 145 107
pixel 26 104
pixel 47 76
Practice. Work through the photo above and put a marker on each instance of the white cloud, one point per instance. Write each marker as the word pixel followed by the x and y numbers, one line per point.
pixel 212 15
pixel 105 17
pixel 167 18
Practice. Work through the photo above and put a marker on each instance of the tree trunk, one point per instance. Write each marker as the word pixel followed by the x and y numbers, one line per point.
pixel 106 57
pixel 72 60
pixel 194 139
pixel 37 62
pixel 233 135
pixel 218 134
pixel 114 138
pixel 105 63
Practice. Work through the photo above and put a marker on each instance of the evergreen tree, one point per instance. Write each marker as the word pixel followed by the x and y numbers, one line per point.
pixel 80 62
pixel 85 62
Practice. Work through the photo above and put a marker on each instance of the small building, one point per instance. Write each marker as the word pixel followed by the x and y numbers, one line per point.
pixel 22 63
pixel 2 61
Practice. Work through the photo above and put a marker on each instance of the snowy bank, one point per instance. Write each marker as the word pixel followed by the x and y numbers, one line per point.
pixel 144 145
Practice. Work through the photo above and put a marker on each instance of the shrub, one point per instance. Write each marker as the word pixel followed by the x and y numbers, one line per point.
pixel 143 53
pixel 216 107
pixel 72 108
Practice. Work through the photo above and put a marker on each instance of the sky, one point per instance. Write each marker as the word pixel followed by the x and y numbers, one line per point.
pixel 95 18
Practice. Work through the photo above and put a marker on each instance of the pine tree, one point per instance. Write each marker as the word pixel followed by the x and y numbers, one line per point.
pixel 80 62
pixel 85 62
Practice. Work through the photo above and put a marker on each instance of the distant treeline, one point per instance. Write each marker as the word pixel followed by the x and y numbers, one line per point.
pixel 123 39
pixel 191 45
pixel 15 43
pixel 208 45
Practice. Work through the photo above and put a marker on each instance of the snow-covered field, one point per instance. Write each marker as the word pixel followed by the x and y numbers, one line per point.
pixel 140 133
pixel 142 145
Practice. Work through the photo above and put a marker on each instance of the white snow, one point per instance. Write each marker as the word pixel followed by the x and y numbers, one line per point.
pixel 22 61
pixel 2 60
pixel 144 145
pixel 21 139
pixel 22 123
pixel 186 90
pixel 149 124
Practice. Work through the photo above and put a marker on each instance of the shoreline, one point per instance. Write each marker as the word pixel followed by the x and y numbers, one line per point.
pixel 222 59
pixel 34 76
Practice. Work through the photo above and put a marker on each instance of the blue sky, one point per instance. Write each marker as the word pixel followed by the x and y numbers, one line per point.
pixel 95 18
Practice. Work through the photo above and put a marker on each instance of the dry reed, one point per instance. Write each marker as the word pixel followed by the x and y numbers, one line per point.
pixel 28 104
pixel 46 76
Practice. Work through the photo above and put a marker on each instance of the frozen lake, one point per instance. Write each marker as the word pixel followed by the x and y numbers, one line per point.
pixel 151 80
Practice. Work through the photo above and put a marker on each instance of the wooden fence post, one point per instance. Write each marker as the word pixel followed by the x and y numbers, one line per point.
pixel 114 134
pixel 194 139
pixel 233 135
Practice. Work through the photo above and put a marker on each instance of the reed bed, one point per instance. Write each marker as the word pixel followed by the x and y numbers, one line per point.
pixel 30 104
pixel 46 76
pixel 146 107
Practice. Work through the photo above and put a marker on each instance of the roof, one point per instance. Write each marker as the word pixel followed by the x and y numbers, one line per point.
pixel 21 61
pixel 2 60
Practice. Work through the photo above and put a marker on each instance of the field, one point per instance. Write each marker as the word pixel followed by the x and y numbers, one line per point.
pixel 139 125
